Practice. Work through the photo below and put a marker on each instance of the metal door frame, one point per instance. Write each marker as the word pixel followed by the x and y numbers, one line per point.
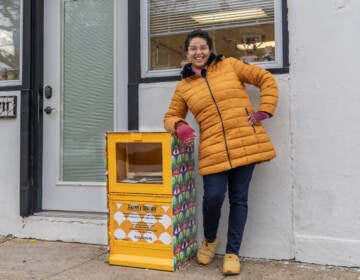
pixel 31 111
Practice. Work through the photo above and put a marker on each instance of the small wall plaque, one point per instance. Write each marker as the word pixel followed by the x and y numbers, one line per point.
pixel 8 107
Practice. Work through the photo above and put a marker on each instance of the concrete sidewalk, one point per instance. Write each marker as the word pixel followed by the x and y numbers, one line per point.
pixel 25 259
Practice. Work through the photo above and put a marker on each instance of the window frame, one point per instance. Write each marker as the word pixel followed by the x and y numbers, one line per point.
pixel 280 65
pixel 15 84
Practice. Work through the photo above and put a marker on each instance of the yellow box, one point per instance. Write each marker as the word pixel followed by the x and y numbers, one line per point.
pixel 151 200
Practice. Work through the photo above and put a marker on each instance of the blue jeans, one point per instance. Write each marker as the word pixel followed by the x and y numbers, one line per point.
pixel 237 182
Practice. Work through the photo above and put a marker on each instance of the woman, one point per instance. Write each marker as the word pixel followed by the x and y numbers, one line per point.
pixel 232 139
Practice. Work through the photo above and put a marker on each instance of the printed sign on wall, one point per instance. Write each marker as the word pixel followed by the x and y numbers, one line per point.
pixel 7 107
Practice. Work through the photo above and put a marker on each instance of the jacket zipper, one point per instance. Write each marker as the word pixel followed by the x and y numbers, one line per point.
pixel 222 123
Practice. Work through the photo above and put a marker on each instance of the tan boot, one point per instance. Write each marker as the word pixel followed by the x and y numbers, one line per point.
pixel 231 264
pixel 206 252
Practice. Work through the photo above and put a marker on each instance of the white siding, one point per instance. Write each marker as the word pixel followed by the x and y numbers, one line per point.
pixel 325 108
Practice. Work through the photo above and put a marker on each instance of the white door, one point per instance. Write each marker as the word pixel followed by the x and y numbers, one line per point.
pixel 78 102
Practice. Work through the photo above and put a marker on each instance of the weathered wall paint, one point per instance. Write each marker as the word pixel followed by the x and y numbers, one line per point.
pixel 325 108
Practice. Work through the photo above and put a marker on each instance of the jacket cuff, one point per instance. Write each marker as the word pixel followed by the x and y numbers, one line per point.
pixel 267 108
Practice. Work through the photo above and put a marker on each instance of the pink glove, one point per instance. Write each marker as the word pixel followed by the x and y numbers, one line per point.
pixel 257 117
pixel 185 133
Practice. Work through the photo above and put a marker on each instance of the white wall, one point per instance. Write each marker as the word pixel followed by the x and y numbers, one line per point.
pixel 9 169
pixel 324 48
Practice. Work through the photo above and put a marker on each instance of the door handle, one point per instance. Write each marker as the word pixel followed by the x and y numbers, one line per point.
pixel 48 110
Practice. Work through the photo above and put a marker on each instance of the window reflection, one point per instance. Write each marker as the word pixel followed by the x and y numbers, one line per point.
pixel 9 39
pixel 241 29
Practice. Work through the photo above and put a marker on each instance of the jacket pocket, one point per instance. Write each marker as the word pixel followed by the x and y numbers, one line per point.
pixel 247 114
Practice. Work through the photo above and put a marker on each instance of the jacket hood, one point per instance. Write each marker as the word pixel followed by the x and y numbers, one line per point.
pixel 187 69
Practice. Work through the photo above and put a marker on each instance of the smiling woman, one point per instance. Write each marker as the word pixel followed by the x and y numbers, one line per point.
pixel 9 40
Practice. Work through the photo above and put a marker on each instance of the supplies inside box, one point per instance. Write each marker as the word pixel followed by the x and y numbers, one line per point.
pixel 139 163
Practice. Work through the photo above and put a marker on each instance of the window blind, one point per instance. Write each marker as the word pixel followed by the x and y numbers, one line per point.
pixel 87 88
pixel 169 17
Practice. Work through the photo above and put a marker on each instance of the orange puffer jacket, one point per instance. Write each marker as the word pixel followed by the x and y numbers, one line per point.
pixel 220 104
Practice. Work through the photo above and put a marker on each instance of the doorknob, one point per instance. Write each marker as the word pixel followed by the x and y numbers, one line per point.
pixel 48 109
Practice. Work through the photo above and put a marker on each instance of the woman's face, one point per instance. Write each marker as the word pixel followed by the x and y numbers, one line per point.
pixel 198 52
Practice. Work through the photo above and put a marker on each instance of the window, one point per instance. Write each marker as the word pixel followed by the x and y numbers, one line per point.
pixel 9 41
pixel 87 87
pixel 251 30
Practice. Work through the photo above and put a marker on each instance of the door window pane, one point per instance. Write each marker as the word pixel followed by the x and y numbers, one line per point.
pixel 87 111
pixel 241 29
pixel 9 40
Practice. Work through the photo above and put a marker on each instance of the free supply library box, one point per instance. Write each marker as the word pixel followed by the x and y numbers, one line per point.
pixel 151 200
